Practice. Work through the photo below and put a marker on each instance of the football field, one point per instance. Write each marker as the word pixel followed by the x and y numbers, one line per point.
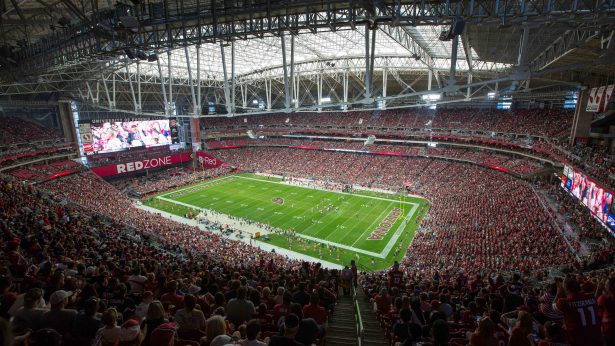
pixel 373 229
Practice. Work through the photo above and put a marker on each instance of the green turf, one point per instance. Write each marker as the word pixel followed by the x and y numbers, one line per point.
pixel 338 234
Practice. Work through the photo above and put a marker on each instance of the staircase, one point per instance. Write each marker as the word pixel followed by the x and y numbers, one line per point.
pixel 373 334
pixel 343 324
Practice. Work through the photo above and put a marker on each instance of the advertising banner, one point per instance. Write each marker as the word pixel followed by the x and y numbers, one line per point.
pixel 206 161
pixel 592 106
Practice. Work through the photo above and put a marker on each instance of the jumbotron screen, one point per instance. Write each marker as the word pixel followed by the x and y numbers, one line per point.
pixel 121 135
pixel 598 200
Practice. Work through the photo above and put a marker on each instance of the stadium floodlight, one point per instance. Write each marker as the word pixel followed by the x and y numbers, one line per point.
pixel 491 95
pixel 431 97
pixel 325 99
pixel 254 102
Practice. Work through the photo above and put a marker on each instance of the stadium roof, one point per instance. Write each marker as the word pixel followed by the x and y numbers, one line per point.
pixel 257 55
pixel 97 52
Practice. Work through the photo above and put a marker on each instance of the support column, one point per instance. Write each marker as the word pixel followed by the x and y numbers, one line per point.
pixel 292 70
pixel 268 93
pixel 233 77
pixel 67 121
pixel 369 60
pixel 581 122
pixel 469 90
pixel 319 90
pixel 132 89
pixel 384 88
pixel 453 70
pixel 195 111
pixel 368 91
pixel 164 91
pixel 522 56
pixel 296 86
pixel 429 77
pixel 227 91
pixel 199 103
pixel 285 68
pixel 243 88
pixel 345 91
pixel 139 107
pixel 169 105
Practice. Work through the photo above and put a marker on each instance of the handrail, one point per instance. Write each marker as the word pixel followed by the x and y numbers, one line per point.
pixel 358 319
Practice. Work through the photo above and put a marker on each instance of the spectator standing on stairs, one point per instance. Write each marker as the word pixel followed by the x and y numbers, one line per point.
pixel 346 278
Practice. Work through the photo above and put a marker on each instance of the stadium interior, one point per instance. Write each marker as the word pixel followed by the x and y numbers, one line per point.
pixel 268 172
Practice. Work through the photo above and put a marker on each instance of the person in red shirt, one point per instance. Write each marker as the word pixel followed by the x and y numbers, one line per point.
pixel 383 301
pixel 581 319
pixel 396 276
pixel 283 309
pixel 171 297
pixel 315 311
pixel 606 311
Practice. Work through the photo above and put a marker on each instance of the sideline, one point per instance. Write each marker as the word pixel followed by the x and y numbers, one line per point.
pixel 261 245
pixel 383 254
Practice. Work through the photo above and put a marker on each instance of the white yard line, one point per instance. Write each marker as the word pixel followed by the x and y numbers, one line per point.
pixel 383 254
pixel 260 244
pixel 201 184
pixel 321 189
pixel 369 228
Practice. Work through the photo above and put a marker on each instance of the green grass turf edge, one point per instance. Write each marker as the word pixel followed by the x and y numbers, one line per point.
pixel 310 248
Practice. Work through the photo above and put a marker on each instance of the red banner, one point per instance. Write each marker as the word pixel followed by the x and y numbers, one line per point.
pixel 206 160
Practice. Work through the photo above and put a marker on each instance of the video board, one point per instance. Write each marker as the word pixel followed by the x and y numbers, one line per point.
pixel 598 200
pixel 112 136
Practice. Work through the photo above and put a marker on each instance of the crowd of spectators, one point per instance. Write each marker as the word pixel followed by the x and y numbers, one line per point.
pixel 457 308
pixel 84 265
pixel 479 218
pixel 539 122
pixel 167 179
pixel 41 172
pixel 108 272
pixel 481 221
pixel 520 165
pixel 15 130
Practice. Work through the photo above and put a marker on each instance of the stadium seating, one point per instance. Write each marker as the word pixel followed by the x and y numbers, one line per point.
pixel 101 249
pixel 547 123
pixel 489 246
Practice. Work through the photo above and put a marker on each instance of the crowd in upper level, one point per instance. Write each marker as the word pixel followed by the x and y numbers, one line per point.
pixel 539 122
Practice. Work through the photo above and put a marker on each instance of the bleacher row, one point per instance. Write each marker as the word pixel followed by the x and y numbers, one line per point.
pixel 520 166
pixel 545 123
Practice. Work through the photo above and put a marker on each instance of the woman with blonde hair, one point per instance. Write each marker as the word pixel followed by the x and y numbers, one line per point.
pixel 521 334
pixel 154 317
pixel 110 333
pixel 216 332
pixel 484 334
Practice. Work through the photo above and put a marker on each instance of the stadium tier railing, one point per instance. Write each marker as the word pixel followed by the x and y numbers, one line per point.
pixel 358 318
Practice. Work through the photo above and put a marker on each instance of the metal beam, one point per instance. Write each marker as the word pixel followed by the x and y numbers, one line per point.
pixel 563 45
pixel 200 22
pixel 406 39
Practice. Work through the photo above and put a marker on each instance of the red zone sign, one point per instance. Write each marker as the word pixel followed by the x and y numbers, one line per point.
pixel 206 160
